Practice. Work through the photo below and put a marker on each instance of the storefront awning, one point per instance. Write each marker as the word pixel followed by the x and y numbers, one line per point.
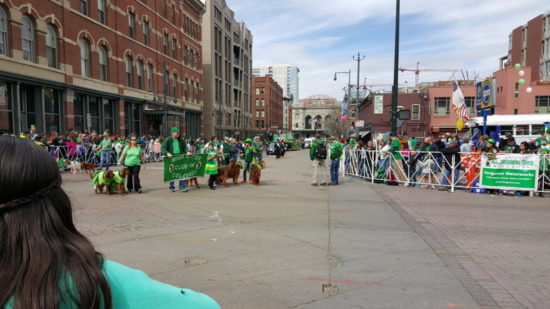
pixel 361 134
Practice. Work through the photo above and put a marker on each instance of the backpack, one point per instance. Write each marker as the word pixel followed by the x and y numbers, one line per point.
pixel 321 151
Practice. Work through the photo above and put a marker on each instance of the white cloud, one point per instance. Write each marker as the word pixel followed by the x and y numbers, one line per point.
pixel 466 34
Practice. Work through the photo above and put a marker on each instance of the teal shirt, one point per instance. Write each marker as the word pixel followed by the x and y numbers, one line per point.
pixel 133 289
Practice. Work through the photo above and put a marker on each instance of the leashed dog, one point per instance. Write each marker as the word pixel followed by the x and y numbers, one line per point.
pixel 189 182
pixel 231 171
pixel 119 179
pixel 75 166
pixel 256 172
pixel 89 168
pixel 101 180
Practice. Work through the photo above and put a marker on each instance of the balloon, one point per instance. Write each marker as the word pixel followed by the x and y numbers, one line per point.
pixel 521 73
pixel 521 81
pixel 517 66
pixel 529 89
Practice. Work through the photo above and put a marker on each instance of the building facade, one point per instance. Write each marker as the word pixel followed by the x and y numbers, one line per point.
pixel 376 113
pixel 227 72
pixel 128 66
pixel 267 108
pixel 285 75
pixel 318 114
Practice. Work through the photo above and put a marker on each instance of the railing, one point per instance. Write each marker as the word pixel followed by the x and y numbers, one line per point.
pixel 90 153
pixel 425 169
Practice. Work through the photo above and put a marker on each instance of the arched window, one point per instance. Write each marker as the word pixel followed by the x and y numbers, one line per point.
pixel 51 46
pixel 149 73
pixel 3 32
pixel 27 38
pixel 84 58
pixel 318 122
pixel 175 86
pixel 308 122
pixel 128 64
pixel 139 70
pixel 103 64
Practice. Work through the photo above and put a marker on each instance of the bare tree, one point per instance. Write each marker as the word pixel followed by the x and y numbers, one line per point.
pixel 335 126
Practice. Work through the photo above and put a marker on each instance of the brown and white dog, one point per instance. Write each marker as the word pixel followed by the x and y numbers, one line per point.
pixel 231 171
pixel 256 173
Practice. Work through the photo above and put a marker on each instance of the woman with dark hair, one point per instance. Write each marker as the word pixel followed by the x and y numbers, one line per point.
pixel 132 157
pixel 46 263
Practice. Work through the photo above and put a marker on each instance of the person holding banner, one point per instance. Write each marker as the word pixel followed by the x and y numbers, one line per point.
pixel 174 145
pixel 211 165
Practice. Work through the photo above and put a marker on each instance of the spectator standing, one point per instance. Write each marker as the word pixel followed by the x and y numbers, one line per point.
pixel 452 161
pixel 336 150
pixel 465 147
pixel 318 155
pixel 249 153
pixel 105 149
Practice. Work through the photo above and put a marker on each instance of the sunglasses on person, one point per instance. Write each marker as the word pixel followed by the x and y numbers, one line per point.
pixel 133 139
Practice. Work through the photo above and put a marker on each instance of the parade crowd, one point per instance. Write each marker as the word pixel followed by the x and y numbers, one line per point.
pixel 427 162
pixel 105 150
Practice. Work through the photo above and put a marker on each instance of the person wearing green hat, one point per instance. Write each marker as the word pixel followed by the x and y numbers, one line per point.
pixel 491 149
pixel 318 155
pixel 543 138
pixel 249 153
pixel 174 145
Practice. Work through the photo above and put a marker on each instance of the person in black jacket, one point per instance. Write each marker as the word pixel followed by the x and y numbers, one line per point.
pixel 451 155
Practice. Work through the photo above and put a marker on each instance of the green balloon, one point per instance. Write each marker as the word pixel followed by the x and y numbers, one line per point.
pixel 517 66
pixel 521 81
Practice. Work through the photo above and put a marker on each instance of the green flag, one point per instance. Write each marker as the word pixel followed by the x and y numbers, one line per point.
pixel 184 166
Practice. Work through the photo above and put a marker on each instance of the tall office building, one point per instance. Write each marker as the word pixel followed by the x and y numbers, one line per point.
pixel 285 75
pixel 127 66
pixel 227 64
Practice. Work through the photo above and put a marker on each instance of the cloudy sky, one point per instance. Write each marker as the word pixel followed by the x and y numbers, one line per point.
pixel 320 37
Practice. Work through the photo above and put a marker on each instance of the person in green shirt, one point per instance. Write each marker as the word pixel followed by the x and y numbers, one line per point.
pixel 249 153
pixel 72 273
pixel 259 145
pixel 318 154
pixel 226 148
pixel 105 148
pixel 174 145
pixel 335 154
pixel 132 156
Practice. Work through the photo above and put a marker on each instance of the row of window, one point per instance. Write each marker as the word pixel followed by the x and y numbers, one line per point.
pixel 28 39
pixel 260 113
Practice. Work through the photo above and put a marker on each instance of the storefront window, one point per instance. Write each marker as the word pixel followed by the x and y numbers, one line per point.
pixel 79 112
pixel 28 106
pixel 51 110
pixel 93 106
pixel 108 112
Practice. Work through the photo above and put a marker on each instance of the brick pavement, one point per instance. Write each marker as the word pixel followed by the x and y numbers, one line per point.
pixel 496 245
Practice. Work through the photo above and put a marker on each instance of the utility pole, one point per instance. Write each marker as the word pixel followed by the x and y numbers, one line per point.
pixel 358 59
pixel 395 72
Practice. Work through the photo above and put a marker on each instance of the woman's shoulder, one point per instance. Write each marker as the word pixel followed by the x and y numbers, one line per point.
pixel 132 288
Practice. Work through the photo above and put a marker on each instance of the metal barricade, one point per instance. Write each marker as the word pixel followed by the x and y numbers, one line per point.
pixel 426 169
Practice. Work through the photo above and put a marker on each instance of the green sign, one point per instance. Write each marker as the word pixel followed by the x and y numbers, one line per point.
pixel 184 166
pixel 510 172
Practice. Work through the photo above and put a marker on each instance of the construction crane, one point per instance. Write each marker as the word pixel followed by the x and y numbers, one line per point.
pixel 418 70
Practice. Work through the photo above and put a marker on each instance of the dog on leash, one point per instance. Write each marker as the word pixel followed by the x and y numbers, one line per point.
pixel 256 172
pixel 89 168
pixel 189 182
pixel 75 166
pixel 231 171
pixel 119 180
pixel 103 180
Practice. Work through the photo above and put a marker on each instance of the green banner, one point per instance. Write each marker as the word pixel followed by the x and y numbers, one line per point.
pixel 510 172
pixel 184 166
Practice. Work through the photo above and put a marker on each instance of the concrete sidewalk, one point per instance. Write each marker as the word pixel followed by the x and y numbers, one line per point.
pixel 276 245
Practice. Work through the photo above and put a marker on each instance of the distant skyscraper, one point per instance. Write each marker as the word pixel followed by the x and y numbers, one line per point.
pixel 285 75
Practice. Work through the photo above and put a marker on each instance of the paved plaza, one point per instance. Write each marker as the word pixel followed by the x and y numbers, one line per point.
pixel 286 244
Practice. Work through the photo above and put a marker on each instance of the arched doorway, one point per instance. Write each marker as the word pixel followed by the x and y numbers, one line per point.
pixel 308 122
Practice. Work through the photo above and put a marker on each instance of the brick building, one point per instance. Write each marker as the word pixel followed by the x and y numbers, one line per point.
pixel 227 72
pixel 376 112
pixel 267 107
pixel 128 66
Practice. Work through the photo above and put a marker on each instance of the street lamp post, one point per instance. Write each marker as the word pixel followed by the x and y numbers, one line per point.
pixel 348 95
pixel 358 59
pixel 395 72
